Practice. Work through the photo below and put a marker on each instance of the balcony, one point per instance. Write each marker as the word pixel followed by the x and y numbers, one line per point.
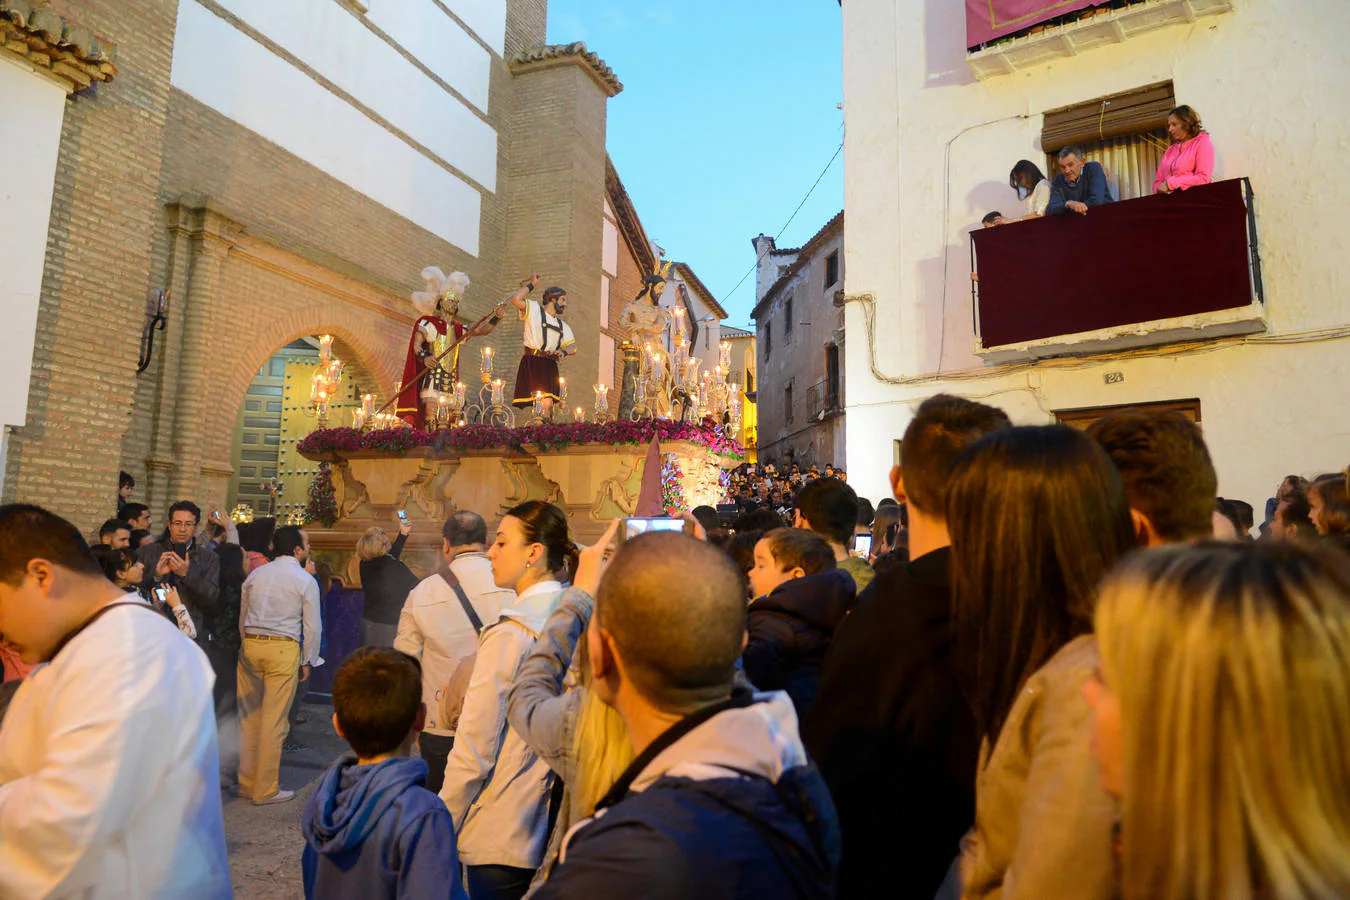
pixel 822 401
pixel 1138 273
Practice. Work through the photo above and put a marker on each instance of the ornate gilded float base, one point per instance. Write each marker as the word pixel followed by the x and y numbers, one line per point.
pixel 592 483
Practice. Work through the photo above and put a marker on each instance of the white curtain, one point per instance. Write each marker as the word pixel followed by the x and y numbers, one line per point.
pixel 1130 162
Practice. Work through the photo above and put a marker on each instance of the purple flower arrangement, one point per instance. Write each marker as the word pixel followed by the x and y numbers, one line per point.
pixel 549 437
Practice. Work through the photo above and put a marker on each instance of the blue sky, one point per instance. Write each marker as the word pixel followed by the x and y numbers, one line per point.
pixel 729 112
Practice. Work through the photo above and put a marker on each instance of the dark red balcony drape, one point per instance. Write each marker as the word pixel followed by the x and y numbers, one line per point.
pixel 1135 261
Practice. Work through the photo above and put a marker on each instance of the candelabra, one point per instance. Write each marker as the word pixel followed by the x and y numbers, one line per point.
pixel 640 409
pixel 324 383
pixel 490 407
pixel 601 404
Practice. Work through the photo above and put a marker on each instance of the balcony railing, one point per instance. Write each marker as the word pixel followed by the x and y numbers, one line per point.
pixel 1044 43
pixel 1142 272
pixel 822 400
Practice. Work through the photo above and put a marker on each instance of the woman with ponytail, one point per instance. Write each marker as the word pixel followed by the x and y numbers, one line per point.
pixel 497 788
pixel 583 740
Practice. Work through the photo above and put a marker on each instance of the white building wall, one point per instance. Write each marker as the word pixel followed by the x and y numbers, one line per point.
pixel 30 136
pixel 927 153
pixel 431 157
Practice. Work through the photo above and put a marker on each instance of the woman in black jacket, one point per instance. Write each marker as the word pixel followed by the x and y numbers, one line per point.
pixel 386 582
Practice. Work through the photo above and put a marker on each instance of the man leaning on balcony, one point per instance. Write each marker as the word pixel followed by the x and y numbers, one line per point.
pixel 1078 185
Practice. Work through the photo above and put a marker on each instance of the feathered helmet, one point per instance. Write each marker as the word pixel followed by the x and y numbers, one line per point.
pixel 438 286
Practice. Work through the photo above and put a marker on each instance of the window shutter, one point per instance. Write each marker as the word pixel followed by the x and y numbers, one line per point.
pixel 1116 115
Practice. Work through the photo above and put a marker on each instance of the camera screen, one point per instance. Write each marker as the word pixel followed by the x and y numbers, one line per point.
pixel 638 526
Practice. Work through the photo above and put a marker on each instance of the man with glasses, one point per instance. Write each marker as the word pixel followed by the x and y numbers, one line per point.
pixel 178 560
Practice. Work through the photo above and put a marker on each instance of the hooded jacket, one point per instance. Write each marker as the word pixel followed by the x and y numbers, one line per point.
pixel 376 831
pixel 728 809
pixel 789 630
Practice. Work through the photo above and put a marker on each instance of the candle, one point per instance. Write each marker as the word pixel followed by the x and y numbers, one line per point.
pixel 358 419
pixel 497 392
pixel 325 349
pixel 486 353
pixel 579 415
pixel 562 389
pixel 368 405
pixel 441 416
pixel 538 403
pixel 725 348
pixel 601 400
pixel 459 394
pixel 640 392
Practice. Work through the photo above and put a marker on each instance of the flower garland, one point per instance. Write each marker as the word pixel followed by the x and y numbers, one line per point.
pixel 549 437
pixel 672 488
pixel 322 506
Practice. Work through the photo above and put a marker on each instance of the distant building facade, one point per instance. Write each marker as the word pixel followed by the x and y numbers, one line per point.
pixel 799 330
pixel 743 368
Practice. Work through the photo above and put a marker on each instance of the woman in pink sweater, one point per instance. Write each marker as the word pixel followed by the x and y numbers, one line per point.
pixel 1190 159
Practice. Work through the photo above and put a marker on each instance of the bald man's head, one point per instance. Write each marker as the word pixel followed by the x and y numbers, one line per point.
pixel 675 609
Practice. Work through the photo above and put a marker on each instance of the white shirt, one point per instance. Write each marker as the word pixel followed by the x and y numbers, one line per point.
pixel 109 769
pixel 535 337
pixel 497 788
pixel 1039 198
pixel 434 628
pixel 281 598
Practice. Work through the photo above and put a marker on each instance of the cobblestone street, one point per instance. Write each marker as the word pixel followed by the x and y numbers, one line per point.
pixel 265 843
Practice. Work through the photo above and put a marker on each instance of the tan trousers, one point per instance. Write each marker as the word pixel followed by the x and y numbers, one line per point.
pixel 268 674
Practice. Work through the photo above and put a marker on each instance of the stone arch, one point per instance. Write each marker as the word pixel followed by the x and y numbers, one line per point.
pixel 368 340
pixel 353 338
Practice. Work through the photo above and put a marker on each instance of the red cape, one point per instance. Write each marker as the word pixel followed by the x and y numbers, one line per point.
pixel 409 405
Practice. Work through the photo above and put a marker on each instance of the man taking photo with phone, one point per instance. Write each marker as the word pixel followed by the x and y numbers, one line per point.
pixel 177 560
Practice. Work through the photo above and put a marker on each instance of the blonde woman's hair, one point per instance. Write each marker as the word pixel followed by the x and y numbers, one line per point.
pixel 1231 663
pixel 600 744
pixel 373 544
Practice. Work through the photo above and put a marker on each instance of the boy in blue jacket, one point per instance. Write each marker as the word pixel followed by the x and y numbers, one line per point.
pixel 372 829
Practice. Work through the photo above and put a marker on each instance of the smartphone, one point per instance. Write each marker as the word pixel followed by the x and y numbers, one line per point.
pixel 162 595
pixel 181 550
pixel 403 516
pixel 635 525
pixel 862 543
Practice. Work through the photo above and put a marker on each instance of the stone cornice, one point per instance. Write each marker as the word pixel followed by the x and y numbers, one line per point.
pixel 197 217
pixel 553 56
pixel 630 226
pixel 686 274
pixel 54 45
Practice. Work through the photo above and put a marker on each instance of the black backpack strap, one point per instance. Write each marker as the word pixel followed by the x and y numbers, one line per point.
pixel 739 699
pixel 469 611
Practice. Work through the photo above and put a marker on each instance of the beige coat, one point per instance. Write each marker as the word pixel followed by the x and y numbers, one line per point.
pixel 1042 820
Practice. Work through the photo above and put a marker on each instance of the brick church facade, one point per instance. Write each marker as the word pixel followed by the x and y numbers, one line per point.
pixel 198 160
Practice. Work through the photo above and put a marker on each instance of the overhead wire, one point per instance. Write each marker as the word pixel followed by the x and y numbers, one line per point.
pixel 759 257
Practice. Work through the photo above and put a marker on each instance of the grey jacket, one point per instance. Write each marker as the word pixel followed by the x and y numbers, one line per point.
pixel 543 710
pixel 1043 822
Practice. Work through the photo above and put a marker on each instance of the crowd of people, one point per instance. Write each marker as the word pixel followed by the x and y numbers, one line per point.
pixel 1053 664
